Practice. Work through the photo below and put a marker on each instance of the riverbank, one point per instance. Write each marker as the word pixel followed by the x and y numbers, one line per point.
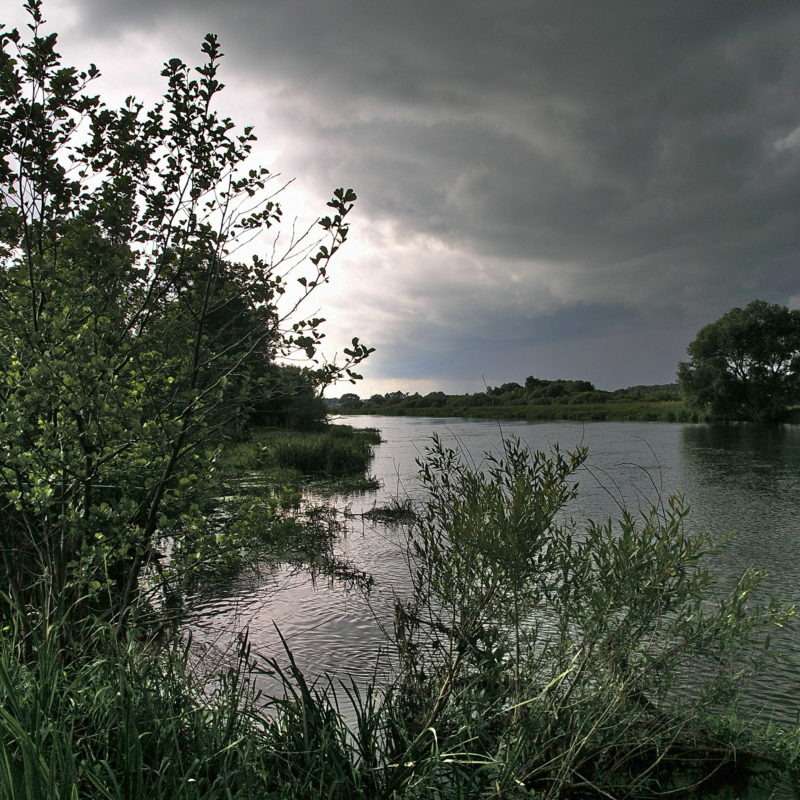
pixel 480 705
pixel 659 411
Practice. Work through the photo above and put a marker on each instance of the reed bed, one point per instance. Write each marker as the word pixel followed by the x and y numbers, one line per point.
pixel 337 450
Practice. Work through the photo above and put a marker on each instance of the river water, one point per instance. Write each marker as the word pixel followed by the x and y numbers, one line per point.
pixel 740 478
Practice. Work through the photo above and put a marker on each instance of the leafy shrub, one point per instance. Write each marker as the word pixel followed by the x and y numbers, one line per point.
pixel 557 656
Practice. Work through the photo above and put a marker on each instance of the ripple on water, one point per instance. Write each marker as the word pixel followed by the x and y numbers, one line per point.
pixel 741 478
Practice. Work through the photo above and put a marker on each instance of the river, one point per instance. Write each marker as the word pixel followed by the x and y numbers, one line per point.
pixel 740 478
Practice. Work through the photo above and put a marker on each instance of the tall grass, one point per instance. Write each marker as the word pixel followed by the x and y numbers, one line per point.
pixel 115 717
pixel 337 450
pixel 119 718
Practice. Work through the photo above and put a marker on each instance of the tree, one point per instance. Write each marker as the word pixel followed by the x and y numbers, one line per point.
pixel 129 336
pixel 288 398
pixel 746 365
pixel 350 400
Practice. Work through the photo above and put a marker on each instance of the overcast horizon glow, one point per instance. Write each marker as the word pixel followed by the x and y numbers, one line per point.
pixel 545 188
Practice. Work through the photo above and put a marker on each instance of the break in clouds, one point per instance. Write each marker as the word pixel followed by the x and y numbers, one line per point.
pixel 566 189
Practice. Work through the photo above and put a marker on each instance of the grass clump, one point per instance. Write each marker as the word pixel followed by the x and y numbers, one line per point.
pixel 396 512
pixel 337 450
pixel 111 716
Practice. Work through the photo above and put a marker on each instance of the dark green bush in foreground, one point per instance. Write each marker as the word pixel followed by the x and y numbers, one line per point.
pixel 565 660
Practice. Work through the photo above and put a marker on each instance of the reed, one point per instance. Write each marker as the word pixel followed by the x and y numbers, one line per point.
pixel 118 717
pixel 335 451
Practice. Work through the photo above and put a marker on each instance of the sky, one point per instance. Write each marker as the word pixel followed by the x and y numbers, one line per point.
pixel 562 188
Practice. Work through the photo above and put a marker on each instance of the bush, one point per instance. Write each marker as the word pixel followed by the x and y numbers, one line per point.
pixel 556 658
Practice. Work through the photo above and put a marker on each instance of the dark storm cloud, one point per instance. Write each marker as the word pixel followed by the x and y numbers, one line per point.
pixel 579 155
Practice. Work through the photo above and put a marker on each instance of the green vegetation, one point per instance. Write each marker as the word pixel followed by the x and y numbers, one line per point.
pixel 538 399
pixel 746 365
pixel 290 456
pixel 396 512
pixel 121 718
pixel 336 451
pixel 548 658
pixel 533 658
pixel 132 345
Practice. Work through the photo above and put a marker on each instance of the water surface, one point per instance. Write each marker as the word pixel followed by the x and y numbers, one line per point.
pixel 740 478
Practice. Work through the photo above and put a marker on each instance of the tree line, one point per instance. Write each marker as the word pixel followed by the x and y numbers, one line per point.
pixel 745 366
pixel 534 391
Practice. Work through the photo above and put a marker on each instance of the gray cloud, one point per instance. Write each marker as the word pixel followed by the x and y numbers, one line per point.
pixel 576 164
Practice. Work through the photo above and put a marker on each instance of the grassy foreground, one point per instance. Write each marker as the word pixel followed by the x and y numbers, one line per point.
pixel 534 659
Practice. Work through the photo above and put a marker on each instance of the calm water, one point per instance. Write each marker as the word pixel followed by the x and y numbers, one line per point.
pixel 744 479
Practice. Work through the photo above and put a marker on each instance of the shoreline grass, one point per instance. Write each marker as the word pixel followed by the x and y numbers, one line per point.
pixel 336 451
pixel 633 411
pixel 330 454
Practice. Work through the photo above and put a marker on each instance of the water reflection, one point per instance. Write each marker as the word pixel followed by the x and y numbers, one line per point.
pixel 754 456
pixel 740 478
pixel 746 479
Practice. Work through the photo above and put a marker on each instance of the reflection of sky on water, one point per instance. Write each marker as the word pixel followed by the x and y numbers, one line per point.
pixel 735 478
pixel 746 479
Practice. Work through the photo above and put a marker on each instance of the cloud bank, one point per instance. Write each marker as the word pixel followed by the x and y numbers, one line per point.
pixel 549 188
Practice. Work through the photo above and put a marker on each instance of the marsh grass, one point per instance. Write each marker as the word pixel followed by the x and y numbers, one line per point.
pixel 333 452
pixel 276 506
pixel 116 717
pixel 395 512
pixel 336 451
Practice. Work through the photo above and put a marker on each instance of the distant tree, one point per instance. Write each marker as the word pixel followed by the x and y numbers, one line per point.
pixel 510 388
pixel 532 383
pixel 350 400
pixel 746 365
pixel 394 397
pixel 434 399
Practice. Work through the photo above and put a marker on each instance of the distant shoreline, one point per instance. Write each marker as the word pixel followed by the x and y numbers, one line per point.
pixel 658 411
